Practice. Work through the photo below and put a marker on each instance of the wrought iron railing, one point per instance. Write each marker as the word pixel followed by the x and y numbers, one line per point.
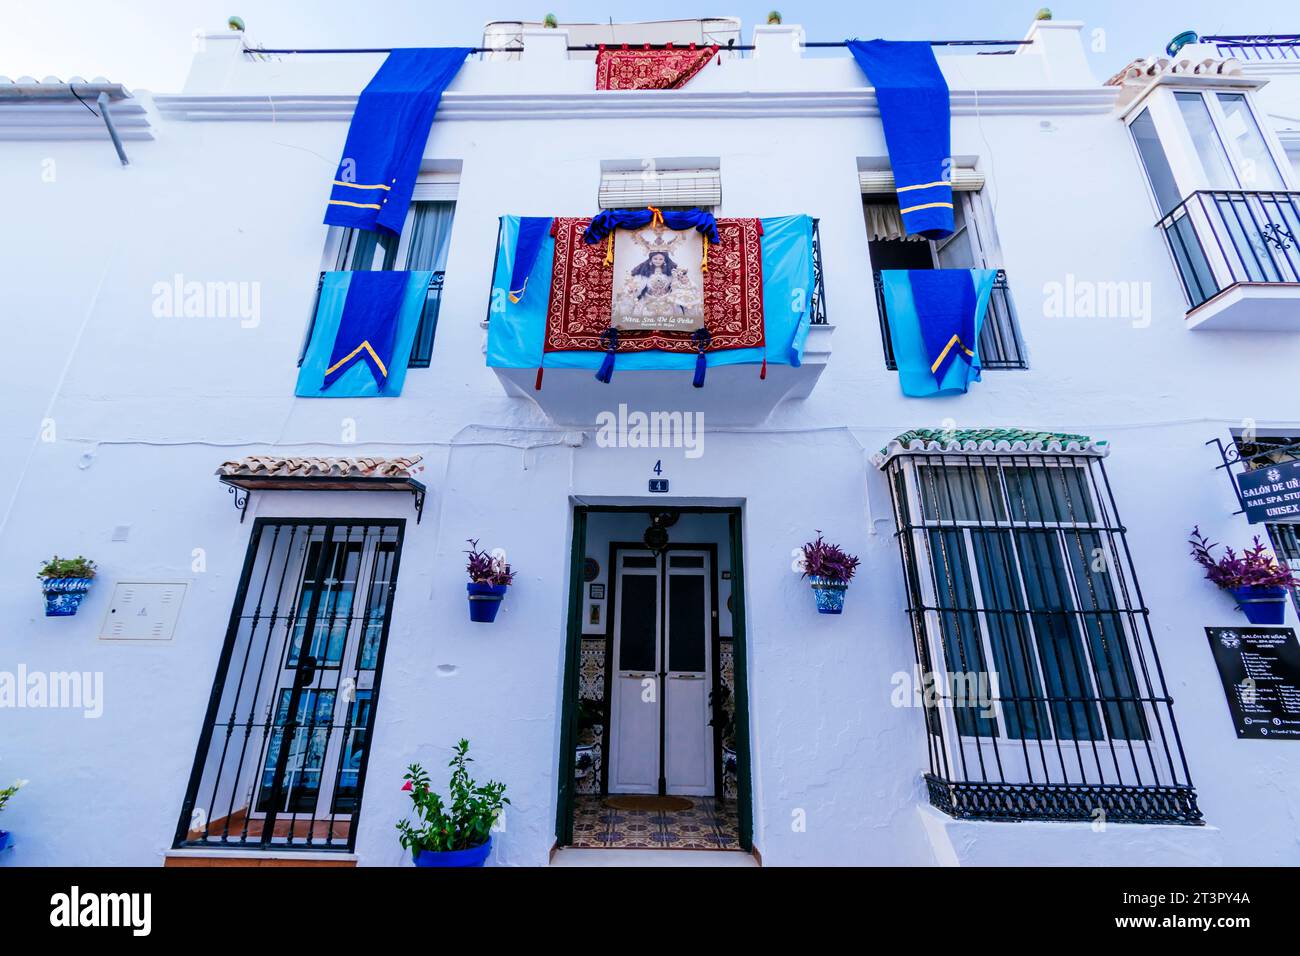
pixel 1043 694
pixel 1264 46
pixel 1000 343
pixel 283 751
pixel 1221 237
pixel 818 303
pixel 422 347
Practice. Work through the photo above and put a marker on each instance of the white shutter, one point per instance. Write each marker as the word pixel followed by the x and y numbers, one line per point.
pixel 876 181
pixel 661 187
pixel 435 191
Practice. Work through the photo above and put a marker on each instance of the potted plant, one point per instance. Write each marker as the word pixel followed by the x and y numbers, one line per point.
pixel 1255 578
pixel 829 569
pixel 488 579
pixel 64 582
pixel 5 794
pixel 459 835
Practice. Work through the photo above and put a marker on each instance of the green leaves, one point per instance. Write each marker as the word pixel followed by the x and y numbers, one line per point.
pixel 469 819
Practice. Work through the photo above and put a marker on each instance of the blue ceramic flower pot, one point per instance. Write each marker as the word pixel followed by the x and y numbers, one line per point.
pixel 1261 605
pixel 829 595
pixel 485 601
pixel 474 856
pixel 63 595
pixel 4 839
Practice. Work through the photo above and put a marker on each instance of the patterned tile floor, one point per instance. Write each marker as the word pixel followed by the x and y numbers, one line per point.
pixel 708 825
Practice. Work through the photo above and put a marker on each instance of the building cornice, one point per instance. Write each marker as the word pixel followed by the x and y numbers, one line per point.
pixel 316 107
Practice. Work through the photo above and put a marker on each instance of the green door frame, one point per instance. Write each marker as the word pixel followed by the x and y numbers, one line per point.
pixel 573 653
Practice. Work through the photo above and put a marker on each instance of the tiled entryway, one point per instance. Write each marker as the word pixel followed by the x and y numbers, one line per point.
pixel 707 825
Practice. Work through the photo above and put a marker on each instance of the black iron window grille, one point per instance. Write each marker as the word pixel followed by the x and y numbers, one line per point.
pixel 1000 343
pixel 421 348
pixel 281 760
pixel 1041 685
pixel 1221 237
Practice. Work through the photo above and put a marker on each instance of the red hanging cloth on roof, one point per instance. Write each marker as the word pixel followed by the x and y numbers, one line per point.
pixel 668 69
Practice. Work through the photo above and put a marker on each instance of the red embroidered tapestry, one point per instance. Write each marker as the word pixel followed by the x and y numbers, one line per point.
pixel 649 69
pixel 581 299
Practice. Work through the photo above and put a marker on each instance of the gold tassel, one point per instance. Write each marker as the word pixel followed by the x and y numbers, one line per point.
pixel 656 219
pixel 609 250
pixel 704 263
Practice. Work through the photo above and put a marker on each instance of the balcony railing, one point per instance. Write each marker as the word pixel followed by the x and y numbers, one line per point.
pixel 1000 344
pixel 1277 46
pixel 1222 237
pixel 421 348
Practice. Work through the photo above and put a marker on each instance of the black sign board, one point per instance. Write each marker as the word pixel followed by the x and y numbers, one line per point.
pixel 1271 493
pixel 1260 668
pixel 659 486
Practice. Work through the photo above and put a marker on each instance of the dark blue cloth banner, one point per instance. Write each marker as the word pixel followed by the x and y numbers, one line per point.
pixel 368 327
pixel 532 234
pixel 945 305
pixel 390 127
pixel 610 219
pixel 914 110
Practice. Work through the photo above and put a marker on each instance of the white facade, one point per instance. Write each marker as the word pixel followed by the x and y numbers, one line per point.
pixel 116 419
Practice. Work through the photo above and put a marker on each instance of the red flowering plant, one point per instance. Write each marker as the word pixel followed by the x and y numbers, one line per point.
pixel 467 823
pixel 485 568
pixel 830 561
pixel 1254 568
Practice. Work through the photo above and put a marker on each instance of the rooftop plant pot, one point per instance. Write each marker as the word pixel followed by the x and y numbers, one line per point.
pixel 63 595
pixel 1262 605
pixel 829 594
pixel 485 601
pixel 474 856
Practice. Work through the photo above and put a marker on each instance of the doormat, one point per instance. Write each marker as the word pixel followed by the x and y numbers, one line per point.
pixel 636 801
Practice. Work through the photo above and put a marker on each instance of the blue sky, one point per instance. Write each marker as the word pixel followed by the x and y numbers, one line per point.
pixel 147 44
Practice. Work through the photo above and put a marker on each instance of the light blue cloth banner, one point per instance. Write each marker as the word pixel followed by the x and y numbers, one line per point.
pixel 357 381
pixel 517 330
pixel 910 351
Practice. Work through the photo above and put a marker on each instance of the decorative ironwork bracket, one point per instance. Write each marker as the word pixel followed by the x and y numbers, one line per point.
pixel 241 500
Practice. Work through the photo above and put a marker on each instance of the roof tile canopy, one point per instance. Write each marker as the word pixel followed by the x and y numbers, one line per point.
pixel 988 441
pixel 266 466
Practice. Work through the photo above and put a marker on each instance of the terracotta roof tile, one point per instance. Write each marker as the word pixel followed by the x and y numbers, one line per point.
pixel 262 466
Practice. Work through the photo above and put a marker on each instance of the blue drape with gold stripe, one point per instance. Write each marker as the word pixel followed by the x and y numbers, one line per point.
pixel 914 110
pixel 390 127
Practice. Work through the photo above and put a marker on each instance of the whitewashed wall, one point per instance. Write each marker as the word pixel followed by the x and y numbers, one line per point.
pixel 144 409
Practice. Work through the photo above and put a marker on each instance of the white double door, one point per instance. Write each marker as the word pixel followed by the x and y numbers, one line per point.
pixel 662 673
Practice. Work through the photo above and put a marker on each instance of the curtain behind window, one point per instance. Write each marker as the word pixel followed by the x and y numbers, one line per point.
pixel 430 235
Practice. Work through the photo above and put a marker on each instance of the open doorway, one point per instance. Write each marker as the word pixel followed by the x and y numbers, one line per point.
pixel 654 742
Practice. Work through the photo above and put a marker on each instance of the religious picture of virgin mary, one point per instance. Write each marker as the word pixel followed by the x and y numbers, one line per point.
pixel 658 284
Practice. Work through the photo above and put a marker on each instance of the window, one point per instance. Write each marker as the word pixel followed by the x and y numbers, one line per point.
pixel 1042 692
pixel 1255 164
pixel 423 246
pixel 972 245
pixel 282 755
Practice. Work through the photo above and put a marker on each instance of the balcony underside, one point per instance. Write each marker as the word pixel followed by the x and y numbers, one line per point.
pixel 1111 803
pixel 732 394
pixel 1250 307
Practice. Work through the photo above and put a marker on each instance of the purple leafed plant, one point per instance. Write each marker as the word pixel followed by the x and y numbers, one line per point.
pixel 483 568
pixel 1255 568
pixel 822 560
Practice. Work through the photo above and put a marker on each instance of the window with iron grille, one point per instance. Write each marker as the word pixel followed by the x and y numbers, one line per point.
pixel 1042 689
pixel 423 245
pixel 281 759
pixel 973 245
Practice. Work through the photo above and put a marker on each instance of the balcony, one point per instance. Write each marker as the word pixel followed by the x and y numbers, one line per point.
pixel 1237 253
pixel 732 395
pixel 1000 344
